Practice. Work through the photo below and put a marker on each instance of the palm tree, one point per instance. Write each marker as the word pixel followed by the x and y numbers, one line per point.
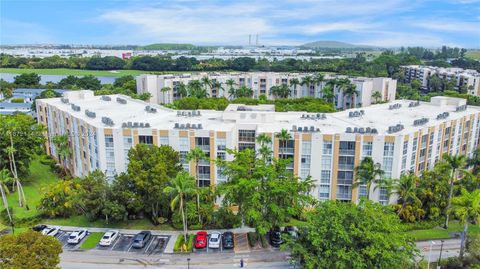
pixel 181 186
pixel 206 82
pixel 467 209
pixel 10 150
pixel 5 178
pixel 349 90
pixel 165 90
pixel 182 89
pixel 368 173
pixel 377 96
pixel 294 82
pixel 280 91
pixel 283 137
pixel 217 85
pixel 244 92
pixel 455 163
pixel 231 89
pixel 405 189
pixel 264 140
pixel 474 162
pixel 308 81
pixel 62 148
pixel 327 94
pixel 318 79
pixel 195 89
pixel 196 155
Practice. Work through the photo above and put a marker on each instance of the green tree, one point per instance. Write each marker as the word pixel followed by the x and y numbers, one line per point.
pixel 368 173
pixel 466 208
pixel 294 82
pixel 327 94
pixel 5 179
pixel 150 169
pixel 206 82
pixel 29 250
pixel 91 196
pixel 455 164
pixel 58 199
pixel 62 148
pixel 181 186
pixel 182 89
pixel 165 91
pixel 307 81
pixel 31 80
pixel 344 235
pixel 377 96
pixel 406 190
pixel 196 155
pixel 231 89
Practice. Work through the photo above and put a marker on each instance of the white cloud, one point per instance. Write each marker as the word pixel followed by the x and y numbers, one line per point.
pixel 318 28
pixel 449 26
pixel 397 38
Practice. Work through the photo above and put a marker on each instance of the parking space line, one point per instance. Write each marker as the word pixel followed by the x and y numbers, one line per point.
pixel 151 241
pixel 131 244
pixel 116 241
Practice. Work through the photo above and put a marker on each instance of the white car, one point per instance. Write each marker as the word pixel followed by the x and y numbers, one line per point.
pixel 108 238
pixel 214 240
pixel 77 236
pixel 51 231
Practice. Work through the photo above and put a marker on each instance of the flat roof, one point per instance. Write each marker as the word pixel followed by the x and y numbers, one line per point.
pixel 380 116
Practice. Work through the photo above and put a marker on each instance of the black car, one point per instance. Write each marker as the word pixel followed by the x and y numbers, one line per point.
pixel 275 236
pixel 228 240
pixel 39 228
pixel 141 239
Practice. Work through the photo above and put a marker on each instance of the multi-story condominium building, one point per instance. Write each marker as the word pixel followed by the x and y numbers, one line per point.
pixel 467 78
pixel 402 136
pixel 262 82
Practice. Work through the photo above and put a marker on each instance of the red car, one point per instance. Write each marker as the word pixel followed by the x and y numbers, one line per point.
pixel 201 239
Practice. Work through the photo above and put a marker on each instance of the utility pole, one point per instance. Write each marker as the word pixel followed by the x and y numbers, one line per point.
pixel 440 256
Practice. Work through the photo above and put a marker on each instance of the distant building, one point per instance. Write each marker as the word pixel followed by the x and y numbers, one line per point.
pixel 470 79
pixel 28 96
pixel 261 83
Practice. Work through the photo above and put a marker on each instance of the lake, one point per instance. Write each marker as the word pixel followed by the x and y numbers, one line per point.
pixel 56 78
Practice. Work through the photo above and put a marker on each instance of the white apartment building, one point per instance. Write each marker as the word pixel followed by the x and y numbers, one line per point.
pixel 261 82
pixel 402 136
pixel 463 77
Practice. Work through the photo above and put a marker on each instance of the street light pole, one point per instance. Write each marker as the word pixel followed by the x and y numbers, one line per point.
pixel 430 254
pixel 188 263
pixel 440 256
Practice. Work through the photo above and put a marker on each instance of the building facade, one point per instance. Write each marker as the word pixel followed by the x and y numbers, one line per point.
pixel 402 136
pixel 466 78
pixel 262 82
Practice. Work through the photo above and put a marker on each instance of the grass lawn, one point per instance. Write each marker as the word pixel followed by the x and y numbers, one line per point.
pixel 474 54
pixel 91 241
pixel 40 176
pixel 82 221
pixel 440 233
pixel 78 72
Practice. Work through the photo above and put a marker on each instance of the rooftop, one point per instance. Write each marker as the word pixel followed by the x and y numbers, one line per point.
pixel 410 116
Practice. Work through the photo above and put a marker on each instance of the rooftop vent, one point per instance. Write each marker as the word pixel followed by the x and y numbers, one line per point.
pixel 107 121
pixel 121 100
pixel 394 106
pixel 64 100
pixel 356 114
pixel 461 108
pixel 305 129
pixel 419 122
pixel 75 107
pixel 395 128
pixel 90 114
pixel 150 109
pixel 317 116
pixel 106 98
pixel 360 130
pixel 414 104
pixel 187 126
pixel 443 115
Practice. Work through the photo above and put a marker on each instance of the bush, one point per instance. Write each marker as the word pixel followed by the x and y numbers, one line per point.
pixel 252 239
pixel 422 225
pixel 177 247
pixel 263 240
pixel 17 100
pixel 226 219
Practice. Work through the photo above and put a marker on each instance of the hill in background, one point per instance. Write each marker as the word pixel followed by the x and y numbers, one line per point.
pixel 333 45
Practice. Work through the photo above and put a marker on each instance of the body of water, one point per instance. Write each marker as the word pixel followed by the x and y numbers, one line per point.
pixel 56 78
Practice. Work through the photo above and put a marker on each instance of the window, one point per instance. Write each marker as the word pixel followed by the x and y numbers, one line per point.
pixel 388 149
pixel 367 148
pixel 383 196
pixel 109 141
pixel 323 192
pixel 246 136
pixel 327 147
pixel 164 140
pixel 145 139
pixel 347 147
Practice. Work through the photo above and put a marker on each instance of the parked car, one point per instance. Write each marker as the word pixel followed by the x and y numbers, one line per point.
pixel 275 236
pixel 291 231
pixel 141 239
pixel 214 240
pixel 77 236
pixel 201 239
pixel 108 238
pixel 228 240
pixel 39 228
pixel 51 231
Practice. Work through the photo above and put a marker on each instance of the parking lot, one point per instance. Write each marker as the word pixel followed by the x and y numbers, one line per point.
pixel 155 245
pixel 221 249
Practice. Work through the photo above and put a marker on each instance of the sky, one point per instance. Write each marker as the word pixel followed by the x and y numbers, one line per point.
pixel 384 23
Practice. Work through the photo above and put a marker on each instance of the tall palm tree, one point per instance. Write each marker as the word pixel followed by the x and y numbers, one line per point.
pixel 231 89
pixel 327 94
pixel 294 82
pixel 467 209
pixel 164 91
pixel 10 150
pixel 195 89
pixel 5 179
pixel 182 89
pixel 196 155
pixel 264 140
pixel 474 162
pixel 62 148
pixel 455 164
pixel 307 81
pixel 318 79
pixel 181 186
pixel 217 85
pixel 368 173
pixel 349 91
pixel 244 92
pixel 206 82
pixel 283 137
pixel 406 190
pixel 377 96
